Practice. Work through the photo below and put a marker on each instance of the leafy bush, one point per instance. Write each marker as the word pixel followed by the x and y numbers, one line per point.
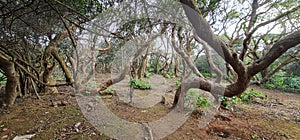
pixel 109 90
pixel 139 84
pixel 293 82
pixel 284 82
pixel 148 74
pixel 177 83
pixel 194 96
pixel 206 75
pixel 202 102
pixel 170 74
pixel 248 96
pixel 228 102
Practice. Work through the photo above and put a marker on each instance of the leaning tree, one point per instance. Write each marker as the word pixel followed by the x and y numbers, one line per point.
pixel 240 48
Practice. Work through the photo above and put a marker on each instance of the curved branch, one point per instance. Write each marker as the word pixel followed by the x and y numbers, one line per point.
pixel 275 52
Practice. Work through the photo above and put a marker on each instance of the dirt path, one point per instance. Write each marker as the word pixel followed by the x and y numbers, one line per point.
pixel 276 118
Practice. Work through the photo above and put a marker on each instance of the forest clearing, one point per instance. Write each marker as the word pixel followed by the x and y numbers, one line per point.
pixel 150 69
pixel 274 118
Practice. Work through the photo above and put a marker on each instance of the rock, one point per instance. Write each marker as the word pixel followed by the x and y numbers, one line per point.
pixel 54 104
pixel 4 137
pixel 25 137
pixel 64 103
pixel 4 129
pixel 77 124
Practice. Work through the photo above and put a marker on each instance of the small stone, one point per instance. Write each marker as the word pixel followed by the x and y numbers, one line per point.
pixel 54 104
pixel 64 103
pixel 4 129
pixel 77 124
pixel 4 137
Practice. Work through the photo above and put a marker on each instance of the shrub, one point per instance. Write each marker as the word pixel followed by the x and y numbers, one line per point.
pixel 194 96
pixel 177 83
pixel 249 95
pixel 206 75
pixel 109 90
pixel 202 102
pixel 139 84
pixel 283 81
pixel 292 82
pixel 246 97
pixel 228 102
pixel 148 74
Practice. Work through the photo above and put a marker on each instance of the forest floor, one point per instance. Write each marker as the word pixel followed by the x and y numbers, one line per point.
pixel 276 118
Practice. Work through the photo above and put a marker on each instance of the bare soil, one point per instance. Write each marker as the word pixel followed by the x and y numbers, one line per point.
pixel 59 117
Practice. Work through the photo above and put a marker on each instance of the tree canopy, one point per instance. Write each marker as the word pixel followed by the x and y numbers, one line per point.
pixel 254 39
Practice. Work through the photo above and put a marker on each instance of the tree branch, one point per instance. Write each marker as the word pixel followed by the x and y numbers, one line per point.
pixel 280 47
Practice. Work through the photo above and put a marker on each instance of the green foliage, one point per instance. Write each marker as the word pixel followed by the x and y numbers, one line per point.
pixel 202 102
pixel 249 95
pixel 109 90
pixel 206 75
pixel 246 97
pixel 293 82
pixel 283 81
pixel 170 74
pixel 2 79
pixel 207 6
pixel 209 75
pixel 228 102
pixel 167 76
pixel 90 85
pixel 233 14
pixel 202 64
pixel 59 79
pixel 194 96
pixel 148 74
pixel 139 84
pixel 255 137
pixel 177 83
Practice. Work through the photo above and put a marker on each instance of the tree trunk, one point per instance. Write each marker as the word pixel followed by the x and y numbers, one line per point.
pixel 48 70
pixel 11 86
pixel 142 69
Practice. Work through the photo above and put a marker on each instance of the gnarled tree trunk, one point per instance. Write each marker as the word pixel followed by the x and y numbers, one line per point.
pixel 11 91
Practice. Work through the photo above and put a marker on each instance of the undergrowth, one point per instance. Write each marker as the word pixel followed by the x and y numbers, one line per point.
pixel 139 84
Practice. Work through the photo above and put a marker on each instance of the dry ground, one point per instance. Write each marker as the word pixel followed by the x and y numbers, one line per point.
pixel 275 119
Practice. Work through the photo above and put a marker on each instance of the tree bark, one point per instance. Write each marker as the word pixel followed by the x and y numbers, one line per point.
pixel 142 69
pixel 51 51
pixel 11 92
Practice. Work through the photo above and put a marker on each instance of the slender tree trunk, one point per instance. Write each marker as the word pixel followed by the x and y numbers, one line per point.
pixel 11 86
pixel 142 69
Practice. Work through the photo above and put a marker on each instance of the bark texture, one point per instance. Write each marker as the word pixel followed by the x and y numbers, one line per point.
pixel 11 86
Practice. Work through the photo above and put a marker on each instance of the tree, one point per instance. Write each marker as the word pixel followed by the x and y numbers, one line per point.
pixel 30 33
pixel 245 72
